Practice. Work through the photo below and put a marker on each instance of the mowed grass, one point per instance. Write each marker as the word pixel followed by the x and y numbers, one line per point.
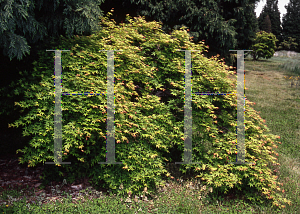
pixel 272 86
pixel 268 84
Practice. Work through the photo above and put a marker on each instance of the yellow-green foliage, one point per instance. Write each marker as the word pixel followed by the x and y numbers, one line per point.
pixel 147 127
pixel 264 45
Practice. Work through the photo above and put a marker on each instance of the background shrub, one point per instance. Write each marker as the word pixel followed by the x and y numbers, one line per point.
pixel 264 45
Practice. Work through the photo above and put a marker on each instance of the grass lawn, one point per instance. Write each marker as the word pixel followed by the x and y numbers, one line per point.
pixel 276 94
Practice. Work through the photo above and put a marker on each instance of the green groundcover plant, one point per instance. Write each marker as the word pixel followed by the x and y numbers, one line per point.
pixel 149 130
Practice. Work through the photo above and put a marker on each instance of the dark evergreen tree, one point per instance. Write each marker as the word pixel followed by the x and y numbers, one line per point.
pixel 261 19
pixel 246 25
pixel 267 24
pixel 275 21
pixel 271 10
pixel 24 23
pixel 290 22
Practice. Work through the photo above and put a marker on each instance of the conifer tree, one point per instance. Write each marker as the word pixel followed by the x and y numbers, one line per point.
pixel 267 24
pixel 274 15
pixel 290 22
pixel 25 23
pixel 271 10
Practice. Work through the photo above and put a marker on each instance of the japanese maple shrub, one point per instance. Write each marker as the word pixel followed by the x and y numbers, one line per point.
pixel 149 129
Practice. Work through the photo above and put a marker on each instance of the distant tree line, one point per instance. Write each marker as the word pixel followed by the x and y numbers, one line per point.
pixel 287 32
